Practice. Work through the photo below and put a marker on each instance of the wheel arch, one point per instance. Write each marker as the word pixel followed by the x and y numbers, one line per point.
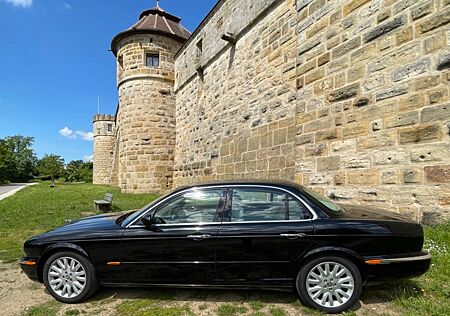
pixel 53 249
pixel 349 254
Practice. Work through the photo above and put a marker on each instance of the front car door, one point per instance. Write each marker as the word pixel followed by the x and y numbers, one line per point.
pixel 264 234
pixel 180 246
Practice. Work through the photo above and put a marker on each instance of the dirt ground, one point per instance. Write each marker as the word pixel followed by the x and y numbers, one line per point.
pixel 18 294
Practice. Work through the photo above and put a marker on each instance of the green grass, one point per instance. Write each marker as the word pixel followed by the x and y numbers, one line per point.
pixel 277 311
pixel 147 307
pixel 231 309
pixel 46 309
pixel 39 208
pixel 72 312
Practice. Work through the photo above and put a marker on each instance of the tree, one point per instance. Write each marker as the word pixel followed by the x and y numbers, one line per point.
pixel 51 166
pixel 6 162
pixel 79 171
pixel 24 159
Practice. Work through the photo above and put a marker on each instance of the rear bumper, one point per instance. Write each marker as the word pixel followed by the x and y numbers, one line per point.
pixel 30 267
pixel 388 268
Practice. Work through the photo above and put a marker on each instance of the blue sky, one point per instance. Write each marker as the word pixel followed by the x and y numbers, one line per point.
pixel 54 62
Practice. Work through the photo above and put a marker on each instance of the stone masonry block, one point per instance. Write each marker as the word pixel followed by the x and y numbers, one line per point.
pixel 353 5
pixel 389 177
pixel 366 177
pixel 410 70
pixel 422 10
pixel 412 175
pixel 385 28
pixel 402 119
pixel 328 163
pixel 344 93
pixel 391 92
pixel 438 174
pixel 435 113
pixel 390 157
pixel 420 134
pixel 346 47
pixel 435 21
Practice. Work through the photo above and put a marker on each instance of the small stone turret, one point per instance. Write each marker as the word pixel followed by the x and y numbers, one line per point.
pixel 104 140
pixel 146 114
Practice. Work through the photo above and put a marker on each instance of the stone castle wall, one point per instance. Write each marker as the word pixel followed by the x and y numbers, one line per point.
pixel 146 115
pixel 104 140
pixel 350 97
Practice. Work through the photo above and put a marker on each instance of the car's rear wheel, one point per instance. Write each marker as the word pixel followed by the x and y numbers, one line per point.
pixel 330 284
pixel 69 277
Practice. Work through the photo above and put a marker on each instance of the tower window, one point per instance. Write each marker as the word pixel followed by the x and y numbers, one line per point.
pixel 109 127
pixel 152 60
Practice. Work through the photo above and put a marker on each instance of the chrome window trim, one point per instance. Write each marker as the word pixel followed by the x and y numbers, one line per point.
pixel 299 199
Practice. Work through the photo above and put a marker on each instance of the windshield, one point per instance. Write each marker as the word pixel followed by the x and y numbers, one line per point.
pixel 135 214
pixel 329 204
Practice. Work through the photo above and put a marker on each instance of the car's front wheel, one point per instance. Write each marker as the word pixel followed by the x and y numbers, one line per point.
pixel 69 277
pixel 330 284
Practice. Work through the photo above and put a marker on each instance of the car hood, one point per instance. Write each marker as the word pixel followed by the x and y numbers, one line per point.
pixel 372 213
pixel 85 227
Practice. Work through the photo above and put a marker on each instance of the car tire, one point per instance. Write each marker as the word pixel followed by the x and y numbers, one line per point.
pixel 69 277
pixel 330 284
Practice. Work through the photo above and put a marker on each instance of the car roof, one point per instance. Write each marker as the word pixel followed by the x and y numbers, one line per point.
pixel 257 182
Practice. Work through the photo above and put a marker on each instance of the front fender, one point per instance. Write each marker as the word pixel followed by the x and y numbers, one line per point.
pixel 64 246
pixel 52 249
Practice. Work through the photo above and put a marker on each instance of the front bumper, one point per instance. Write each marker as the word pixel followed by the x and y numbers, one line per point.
pixel 388 268
pixel 30 267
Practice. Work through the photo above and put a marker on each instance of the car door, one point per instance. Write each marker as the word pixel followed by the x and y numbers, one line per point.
pixel 265 232
pixel 179 248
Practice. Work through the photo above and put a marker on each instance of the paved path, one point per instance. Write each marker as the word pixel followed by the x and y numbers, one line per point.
pixel 6 190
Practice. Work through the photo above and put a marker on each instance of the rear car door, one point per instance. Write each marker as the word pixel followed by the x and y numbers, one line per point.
pixel 265 231
pixel 180 247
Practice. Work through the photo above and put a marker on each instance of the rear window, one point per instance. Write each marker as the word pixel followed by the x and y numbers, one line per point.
pixel 326 202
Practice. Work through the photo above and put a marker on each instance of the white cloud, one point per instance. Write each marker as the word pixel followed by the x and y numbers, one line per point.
pixel 89 158
pixel 88 136
pixel 67 6
pixel 21 3
pixel 68 133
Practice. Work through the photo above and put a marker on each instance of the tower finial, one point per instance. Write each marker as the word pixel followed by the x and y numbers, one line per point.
pixel 157 3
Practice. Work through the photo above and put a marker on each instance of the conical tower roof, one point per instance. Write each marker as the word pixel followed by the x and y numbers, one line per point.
pixel 154 21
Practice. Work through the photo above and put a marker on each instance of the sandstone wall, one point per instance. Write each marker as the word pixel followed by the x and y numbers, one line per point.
pixel 238 119
pixel 104 141
pixel 366 121
pixel 146 115
pixel 373 114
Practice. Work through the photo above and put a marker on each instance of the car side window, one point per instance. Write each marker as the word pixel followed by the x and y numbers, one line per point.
pixel 254 204
pixel 196 206
pixel 297 210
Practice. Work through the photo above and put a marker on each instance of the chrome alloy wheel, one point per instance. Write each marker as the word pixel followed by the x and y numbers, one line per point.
pixel 330 284
pixel 67 277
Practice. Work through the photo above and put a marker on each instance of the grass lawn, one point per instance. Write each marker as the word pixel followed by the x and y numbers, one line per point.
pixel 39 208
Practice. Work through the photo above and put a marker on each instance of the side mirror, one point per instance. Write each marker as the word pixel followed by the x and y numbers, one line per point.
pixel 147 220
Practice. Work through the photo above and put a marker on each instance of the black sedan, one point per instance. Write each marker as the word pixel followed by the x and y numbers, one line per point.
pixel 253 235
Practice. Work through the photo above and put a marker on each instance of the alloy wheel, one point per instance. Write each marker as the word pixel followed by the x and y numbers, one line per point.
pixel 67 277
pixel 330 284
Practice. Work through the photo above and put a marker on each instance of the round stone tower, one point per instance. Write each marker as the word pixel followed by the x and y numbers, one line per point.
pixel 104 140
pixel 146 114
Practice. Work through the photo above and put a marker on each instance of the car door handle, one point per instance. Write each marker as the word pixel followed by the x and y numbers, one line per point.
pixel 199 237
pixel 293 236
